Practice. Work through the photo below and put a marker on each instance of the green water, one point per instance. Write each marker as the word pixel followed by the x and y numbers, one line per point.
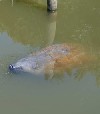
pixel 27 27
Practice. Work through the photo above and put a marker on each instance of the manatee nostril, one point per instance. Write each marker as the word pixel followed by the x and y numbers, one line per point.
pixel 11 67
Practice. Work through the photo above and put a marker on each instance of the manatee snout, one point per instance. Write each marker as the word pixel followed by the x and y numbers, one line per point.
pixel 11 67
pixel 14 69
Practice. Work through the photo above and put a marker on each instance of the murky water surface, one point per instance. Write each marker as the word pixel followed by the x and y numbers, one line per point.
pixel 25 26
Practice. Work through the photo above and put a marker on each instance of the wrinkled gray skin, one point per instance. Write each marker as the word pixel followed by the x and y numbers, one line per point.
pixel 36 63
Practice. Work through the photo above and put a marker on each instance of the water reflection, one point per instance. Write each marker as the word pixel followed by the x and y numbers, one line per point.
pixel 51 27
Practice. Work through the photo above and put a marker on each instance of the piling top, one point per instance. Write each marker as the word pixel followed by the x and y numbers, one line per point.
pixel 51 5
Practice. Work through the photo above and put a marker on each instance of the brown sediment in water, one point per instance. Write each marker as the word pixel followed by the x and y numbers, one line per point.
pixel 77 57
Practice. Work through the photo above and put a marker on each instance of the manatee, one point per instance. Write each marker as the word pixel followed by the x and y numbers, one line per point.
pixel 42 61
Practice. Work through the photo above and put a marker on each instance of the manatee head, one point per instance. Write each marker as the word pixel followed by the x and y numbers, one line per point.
pixel 28 64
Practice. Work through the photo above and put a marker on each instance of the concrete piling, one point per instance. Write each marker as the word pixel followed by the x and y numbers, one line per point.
pixel 51 5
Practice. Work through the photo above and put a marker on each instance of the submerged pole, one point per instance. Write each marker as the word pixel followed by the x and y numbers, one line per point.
pixel 51 5
pixel 12 2
pixel 51 27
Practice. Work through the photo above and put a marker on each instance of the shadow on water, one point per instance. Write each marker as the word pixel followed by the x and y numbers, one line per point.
pixel 24 26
